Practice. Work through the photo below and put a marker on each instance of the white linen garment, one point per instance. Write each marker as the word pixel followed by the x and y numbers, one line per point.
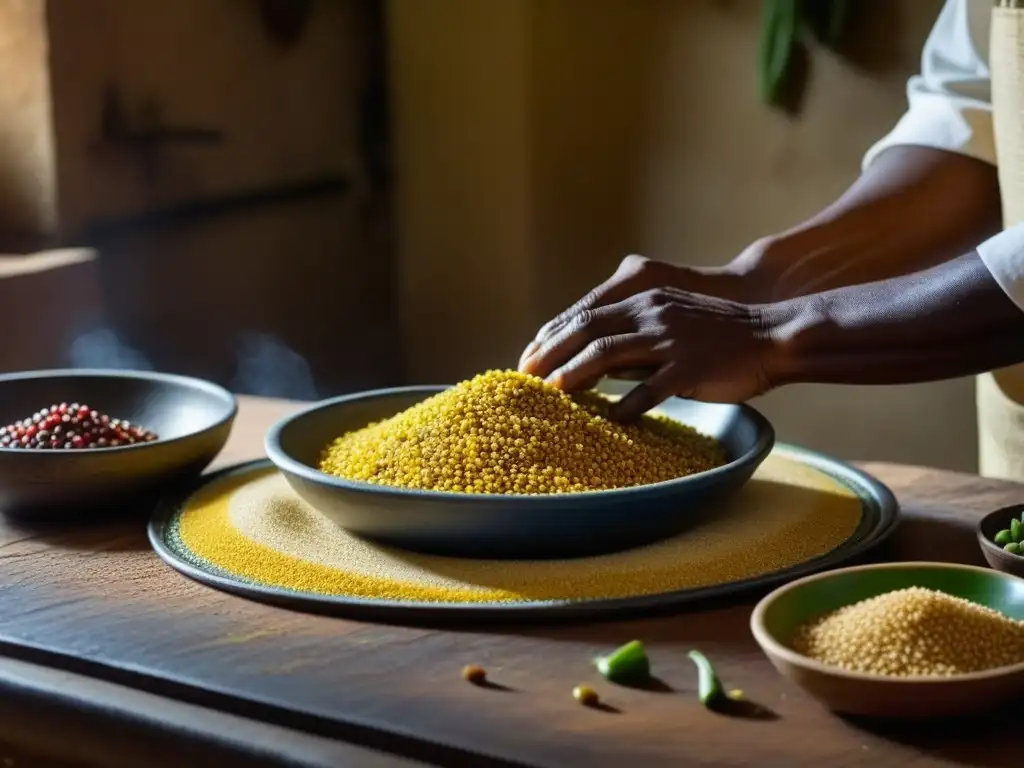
pixel 950 107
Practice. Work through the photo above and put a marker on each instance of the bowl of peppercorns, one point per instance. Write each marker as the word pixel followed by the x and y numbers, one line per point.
pixel 72 440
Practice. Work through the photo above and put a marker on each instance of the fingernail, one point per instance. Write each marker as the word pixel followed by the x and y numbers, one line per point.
pixel 555 380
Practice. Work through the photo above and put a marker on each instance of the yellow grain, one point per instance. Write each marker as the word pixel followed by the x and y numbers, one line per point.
pixel 913 632
pixel 509 433
pixel 254 527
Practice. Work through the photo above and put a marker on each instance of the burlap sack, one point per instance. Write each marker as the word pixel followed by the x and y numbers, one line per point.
pixel 1000 395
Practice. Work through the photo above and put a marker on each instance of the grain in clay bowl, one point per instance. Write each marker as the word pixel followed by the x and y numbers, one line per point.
pixel 777 618
pixel 512 526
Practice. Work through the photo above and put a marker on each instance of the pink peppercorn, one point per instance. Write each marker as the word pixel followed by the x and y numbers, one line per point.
pixel 75 426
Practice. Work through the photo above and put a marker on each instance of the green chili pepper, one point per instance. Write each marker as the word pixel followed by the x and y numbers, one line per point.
pixel 778 40
pixel 626 664
pixel 1003 538
pixel 1013 548
pixel 1015 530
pixel 709 687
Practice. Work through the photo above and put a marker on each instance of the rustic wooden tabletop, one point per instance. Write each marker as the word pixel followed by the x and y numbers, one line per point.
pixel 107 656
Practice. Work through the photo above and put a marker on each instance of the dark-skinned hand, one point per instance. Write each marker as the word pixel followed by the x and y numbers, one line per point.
pixel 693 345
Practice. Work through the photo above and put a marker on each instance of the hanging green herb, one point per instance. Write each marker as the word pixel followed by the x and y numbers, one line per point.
pixel 778 39
pixel 781 49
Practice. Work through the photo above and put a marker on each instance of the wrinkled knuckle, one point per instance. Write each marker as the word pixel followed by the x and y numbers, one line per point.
pixel 547 328
pixel 582 321
pixel 561 319
pixel 600 347
pixel 589 299
pixel 656 297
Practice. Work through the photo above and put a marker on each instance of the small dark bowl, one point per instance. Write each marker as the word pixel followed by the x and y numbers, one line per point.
pixel 495 526
pixel 192 418
pixel 988 527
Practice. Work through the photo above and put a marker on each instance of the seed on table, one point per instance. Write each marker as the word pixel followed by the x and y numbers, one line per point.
pixel 474 673
pixel 585 695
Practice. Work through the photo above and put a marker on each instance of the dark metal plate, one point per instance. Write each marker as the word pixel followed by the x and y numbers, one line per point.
pixel 878 521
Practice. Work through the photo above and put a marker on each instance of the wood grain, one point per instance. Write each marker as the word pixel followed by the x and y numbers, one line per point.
pixel 108 725
pixel 95 600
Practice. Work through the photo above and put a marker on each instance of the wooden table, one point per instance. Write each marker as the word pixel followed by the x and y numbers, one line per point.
pixel 109 657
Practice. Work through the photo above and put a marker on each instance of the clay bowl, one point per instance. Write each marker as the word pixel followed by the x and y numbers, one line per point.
pixel 193 419
pixel 995 555
pixel 778 615
pixel 528 527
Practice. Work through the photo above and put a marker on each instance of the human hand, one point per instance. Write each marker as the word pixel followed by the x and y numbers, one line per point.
pixel 637 273
pixel 697 346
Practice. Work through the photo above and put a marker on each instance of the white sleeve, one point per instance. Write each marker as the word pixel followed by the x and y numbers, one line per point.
pixel 1003 254
pixel 950 103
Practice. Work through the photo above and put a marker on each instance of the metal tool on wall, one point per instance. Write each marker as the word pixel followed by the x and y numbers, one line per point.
pixel 145 134
pixel 144 131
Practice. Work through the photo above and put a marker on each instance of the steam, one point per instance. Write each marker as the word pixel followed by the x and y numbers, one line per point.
pixel 266 366
pixel 103 348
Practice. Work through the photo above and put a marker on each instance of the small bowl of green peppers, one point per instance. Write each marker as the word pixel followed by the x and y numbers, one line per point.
pixel 1001 536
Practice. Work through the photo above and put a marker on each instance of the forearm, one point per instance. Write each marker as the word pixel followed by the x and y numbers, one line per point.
pixel 913 208
pixel 948 321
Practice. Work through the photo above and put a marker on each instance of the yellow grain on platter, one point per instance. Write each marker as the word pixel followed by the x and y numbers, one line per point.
pixel 254 527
